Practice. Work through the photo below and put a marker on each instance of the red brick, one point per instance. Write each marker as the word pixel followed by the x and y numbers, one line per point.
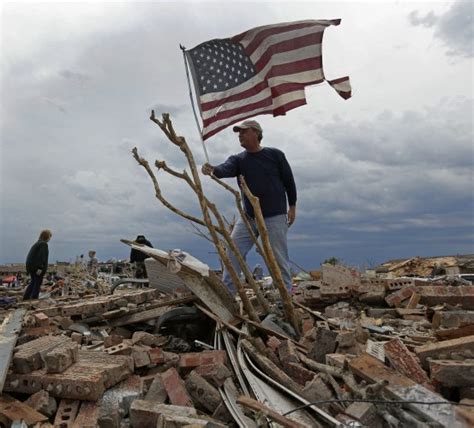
pixel 13 410
pixel 462 295
pixel 86 380
pixel 88 416
pixel 273 343
pixel 399 283
pixel 194 359
pixel 157 391
pixel 140 356
pixel 67 412
pixel 202 392
pixel 404 361
pixel 120 349
pixel 41 319
pixel 157 356
pixel 298 373
pixel 308 324
pixel 28 357
pixel 214 373
pixel 176 388
pixel 287 352
pixel 43 403
pixel 395 299
pixel 61 357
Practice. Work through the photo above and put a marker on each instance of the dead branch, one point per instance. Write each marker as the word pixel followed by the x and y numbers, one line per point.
pixel 267 411
pixel 195 183
pixel 272 266
pixel 143 162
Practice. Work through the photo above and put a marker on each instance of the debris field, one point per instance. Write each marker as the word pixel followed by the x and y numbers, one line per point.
pixel 372 352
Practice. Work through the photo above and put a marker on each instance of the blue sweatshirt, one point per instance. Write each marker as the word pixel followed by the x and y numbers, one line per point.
pixel 268 176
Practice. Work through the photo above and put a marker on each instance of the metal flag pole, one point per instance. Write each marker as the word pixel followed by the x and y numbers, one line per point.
pixel 186 66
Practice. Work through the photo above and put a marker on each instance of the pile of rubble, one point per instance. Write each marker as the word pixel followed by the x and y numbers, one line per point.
pixel 373 352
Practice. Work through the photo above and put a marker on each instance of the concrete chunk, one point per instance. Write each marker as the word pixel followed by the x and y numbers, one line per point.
pixel 202 392
pixel 29 356
pixel 453 373
pixel 146 413
pixel 443 350
pixel 61 357
pixel 43 403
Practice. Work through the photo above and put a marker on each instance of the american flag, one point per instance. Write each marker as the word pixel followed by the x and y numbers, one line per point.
pixel 261 71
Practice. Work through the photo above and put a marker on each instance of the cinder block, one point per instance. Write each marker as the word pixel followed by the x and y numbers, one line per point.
pixel 120 349
pixel 67 412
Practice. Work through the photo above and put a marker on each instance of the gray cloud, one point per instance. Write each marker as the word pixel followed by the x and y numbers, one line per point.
pixel 428 20
pixel 384 175
pixel 455 27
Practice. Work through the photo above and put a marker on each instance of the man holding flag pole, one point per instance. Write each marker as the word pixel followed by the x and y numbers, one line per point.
pixel 261 71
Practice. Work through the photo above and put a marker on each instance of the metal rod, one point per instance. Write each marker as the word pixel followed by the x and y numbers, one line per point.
pixel 186 66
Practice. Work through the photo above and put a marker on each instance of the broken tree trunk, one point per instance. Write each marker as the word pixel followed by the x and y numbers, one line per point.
pixel 195 184
pixel 273 265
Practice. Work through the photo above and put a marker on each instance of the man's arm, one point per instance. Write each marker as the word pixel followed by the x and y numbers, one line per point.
pixel 291 215
pixel 290 188
pixel 230 168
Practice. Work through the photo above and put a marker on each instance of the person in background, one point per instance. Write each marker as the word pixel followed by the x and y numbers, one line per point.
pixel 138 258
pixel 37 264
pixel 92 264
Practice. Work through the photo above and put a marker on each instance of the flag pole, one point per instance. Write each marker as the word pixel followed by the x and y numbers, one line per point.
pixel 186 66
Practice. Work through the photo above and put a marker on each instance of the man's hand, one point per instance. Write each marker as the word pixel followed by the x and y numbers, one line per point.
pixel 291 216
pixel 207 169
pixel 39 272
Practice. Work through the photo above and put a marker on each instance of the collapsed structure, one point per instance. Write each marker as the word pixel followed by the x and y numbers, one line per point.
pixel 344 349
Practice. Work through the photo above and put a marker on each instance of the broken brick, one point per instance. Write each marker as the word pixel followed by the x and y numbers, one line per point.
pixel 176 388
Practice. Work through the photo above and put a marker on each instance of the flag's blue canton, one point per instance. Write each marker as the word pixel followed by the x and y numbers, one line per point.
pixel 220 65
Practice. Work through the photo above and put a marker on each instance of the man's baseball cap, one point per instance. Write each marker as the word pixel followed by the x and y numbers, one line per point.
pixel 247 125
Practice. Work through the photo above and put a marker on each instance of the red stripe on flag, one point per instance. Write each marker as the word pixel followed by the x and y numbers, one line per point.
pixel 236 111
pixel 295 67
pixel 281 111
pixel 262 35
pixel 235 97
pixel 286 46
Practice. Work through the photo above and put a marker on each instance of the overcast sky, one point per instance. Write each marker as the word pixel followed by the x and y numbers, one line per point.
pixel 387 174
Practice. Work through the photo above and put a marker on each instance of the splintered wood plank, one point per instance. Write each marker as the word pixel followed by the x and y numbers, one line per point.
pixel 15 410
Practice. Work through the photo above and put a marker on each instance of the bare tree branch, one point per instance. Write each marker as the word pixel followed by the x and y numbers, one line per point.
pixel 273 265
